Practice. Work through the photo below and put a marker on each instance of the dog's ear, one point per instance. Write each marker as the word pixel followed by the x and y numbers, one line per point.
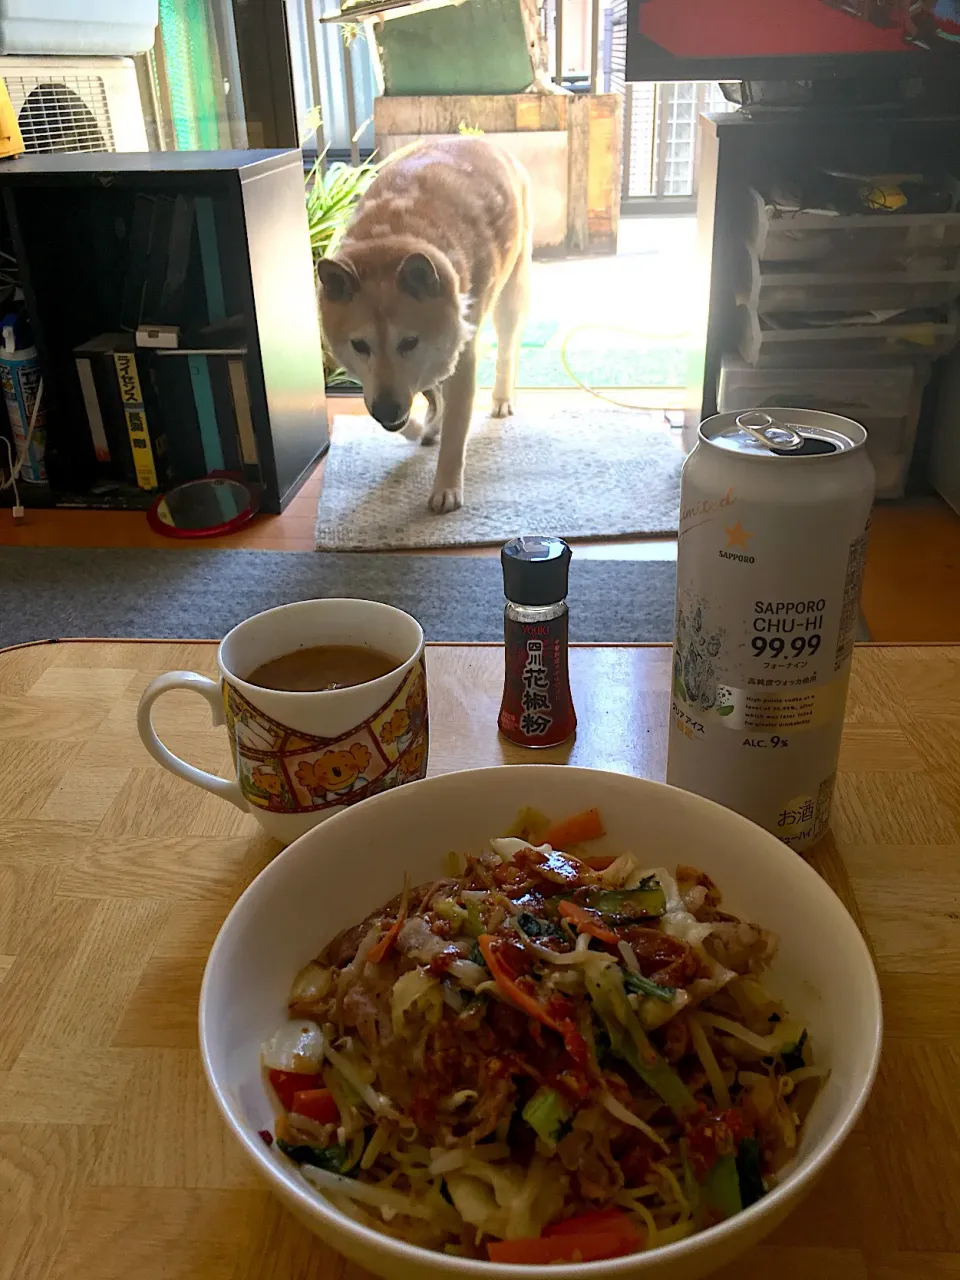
pixel 418 277
pixel 338 278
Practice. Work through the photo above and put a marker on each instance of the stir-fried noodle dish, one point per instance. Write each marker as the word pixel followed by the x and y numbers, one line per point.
pixel 546 1056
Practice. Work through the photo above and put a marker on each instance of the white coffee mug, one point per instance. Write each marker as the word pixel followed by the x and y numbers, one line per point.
pixel 299 757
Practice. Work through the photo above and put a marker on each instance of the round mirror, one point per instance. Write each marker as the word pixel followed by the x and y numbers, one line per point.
pixel 204 508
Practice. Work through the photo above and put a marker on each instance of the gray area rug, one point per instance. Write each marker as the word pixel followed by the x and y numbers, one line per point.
pixel 55 592
pixel 589 474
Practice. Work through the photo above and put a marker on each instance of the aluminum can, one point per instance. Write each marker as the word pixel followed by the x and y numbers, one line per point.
pixel 774 513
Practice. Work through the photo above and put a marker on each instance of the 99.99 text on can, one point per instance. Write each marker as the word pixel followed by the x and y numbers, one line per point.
pixel 774 512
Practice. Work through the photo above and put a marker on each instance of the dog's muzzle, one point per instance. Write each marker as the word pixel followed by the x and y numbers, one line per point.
pixel 389 413
pixel 396 426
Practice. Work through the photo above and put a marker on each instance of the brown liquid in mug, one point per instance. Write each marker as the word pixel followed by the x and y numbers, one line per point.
pixel 323 666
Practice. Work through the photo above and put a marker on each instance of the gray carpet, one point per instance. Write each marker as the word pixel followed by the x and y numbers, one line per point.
pixel 54 592
pixel 587 474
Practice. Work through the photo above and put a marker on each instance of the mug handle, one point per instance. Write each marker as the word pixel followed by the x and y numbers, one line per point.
pixel 208 689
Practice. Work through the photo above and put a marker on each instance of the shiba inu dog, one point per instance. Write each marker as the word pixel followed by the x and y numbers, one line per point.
pixel 440 239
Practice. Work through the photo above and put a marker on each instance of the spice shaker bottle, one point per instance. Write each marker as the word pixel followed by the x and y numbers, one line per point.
pixel 537 709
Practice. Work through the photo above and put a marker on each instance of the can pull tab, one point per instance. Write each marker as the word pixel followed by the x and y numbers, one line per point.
pixel 772 434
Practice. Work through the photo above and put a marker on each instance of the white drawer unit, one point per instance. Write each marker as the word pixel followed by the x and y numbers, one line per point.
pixel 787 341
pixel 878 240
pixel 886 401
pixel 795 287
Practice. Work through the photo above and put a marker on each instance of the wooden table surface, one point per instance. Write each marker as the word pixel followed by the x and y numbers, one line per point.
pixel 115 877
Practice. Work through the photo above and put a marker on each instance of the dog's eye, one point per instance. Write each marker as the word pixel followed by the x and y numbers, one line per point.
pixel 406 345
pixel 360 347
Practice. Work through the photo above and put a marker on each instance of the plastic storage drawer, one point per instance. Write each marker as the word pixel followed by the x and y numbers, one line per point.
pixel 878 239
pixel 75 27
pixel 886 401
pixel 884 391
pixel 784 342
pixel 795 287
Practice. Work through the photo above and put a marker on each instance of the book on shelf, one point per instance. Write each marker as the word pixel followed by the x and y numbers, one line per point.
pixel 170 307
pixel 210 258
pixel 138 256
pixel 103 407
pixel 174 394
pixel 145 428
pixel 240 398
pixel 160 252
pixel 123 417
pixel 216 415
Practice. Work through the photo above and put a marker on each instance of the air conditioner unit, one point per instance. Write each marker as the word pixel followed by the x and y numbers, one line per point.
pixel 76 104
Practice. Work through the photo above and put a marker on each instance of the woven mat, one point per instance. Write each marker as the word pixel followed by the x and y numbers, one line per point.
pixel 575 474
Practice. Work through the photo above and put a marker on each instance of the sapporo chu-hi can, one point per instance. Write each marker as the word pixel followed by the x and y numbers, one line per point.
pixel 774 512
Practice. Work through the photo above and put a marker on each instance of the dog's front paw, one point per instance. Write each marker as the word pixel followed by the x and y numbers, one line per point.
pixel 502 409
pixel 413 429
pixel 444 500
pixel 431 434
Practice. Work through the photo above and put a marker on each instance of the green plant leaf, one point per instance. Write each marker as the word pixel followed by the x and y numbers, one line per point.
pixel 725 711
pixel 331 197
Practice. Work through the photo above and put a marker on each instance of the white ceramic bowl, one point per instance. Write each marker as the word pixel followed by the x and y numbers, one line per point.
pixel 336 874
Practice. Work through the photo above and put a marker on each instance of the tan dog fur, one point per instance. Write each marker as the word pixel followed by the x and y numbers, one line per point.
pixel 441 238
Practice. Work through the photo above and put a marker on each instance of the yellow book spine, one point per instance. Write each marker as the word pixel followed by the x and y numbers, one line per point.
pixel 136 417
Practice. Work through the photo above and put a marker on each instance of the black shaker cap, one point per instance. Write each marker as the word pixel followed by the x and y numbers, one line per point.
pixel 535 570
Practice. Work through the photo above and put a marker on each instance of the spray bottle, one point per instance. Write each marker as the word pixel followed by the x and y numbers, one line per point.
pixel 20 378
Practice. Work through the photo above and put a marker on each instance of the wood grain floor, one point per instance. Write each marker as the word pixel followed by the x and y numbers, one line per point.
pixel 911 590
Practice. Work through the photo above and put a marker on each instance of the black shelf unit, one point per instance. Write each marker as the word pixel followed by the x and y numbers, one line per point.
pixel 70 218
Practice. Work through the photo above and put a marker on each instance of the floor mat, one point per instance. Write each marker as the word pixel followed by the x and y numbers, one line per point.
pixel 60 592
pixel 575 474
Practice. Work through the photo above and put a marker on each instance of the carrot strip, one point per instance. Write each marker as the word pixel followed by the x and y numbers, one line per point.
pixel 587 922
pixel 286 1084
pixel 601 861
pixel 508 987
pixel 384 945
pixel 316 1104
pixel 575 830
pixel 539 1250
pixel 612 1220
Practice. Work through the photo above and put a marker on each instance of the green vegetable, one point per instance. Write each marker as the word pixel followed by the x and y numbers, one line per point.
pixel 476 955
pixel 473 925
pixel 720 1192
pixel 750 1177
pixel 530 825
pixel 536 928
pixel 637 983
pixel 601 1044
pixel 646 900
pixel 628 1040
pixel 334 1159
pixel 447 909
pixel 546 1113
pixel 792 1054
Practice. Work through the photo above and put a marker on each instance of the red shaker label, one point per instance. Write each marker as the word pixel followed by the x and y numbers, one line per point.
pixel 537 709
